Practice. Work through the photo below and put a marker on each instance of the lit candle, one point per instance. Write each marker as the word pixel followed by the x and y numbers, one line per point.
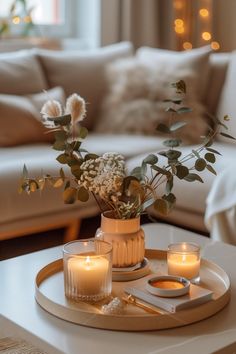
pixel 88 273
pixel 183 259
pixel 87 269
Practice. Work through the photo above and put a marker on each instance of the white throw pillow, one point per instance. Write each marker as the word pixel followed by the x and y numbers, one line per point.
pixel 227 102
pixel 139 85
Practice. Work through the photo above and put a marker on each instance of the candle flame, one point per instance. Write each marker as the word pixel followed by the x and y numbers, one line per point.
pixel 184 258
pixel 87 260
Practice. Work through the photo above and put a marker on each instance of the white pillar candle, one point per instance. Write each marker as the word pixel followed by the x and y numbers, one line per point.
pixel 184 260
pixel 88 274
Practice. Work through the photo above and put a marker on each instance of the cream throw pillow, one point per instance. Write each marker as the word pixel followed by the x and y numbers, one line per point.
pixel 83 72
pixel 21 73
pixel 139 85
pixel 20 118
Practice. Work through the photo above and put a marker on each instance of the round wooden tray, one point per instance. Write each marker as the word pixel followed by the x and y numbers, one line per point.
pixel 50 295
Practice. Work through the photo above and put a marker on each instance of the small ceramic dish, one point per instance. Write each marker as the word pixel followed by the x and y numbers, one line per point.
pixel 168 286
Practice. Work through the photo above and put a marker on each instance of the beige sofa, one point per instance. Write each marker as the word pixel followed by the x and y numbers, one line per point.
pixel 29 72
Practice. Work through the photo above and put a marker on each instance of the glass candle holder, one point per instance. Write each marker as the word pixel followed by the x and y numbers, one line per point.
pixel 87 270
pixel 183 259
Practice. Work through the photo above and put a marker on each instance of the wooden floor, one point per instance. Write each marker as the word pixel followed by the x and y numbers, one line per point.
pixel 27 244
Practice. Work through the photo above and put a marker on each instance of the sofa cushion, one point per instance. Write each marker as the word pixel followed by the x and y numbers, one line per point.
pixel 138 87
pixel 21 73
pixel 218 68
pixel 227 105
pixel 20 118
pixel 82 72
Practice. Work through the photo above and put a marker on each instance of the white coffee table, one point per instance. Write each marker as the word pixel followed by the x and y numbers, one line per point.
pixel 22 317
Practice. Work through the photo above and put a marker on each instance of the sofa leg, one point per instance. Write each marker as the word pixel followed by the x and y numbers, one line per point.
pixel 72 231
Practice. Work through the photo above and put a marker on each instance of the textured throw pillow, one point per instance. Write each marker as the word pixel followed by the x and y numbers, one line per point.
pixel 21 73
pixel 20 118
pixel 139 85
pixel 227 103
pixel 83 72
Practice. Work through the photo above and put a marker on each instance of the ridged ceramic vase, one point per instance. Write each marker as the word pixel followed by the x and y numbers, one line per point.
pixel 126 237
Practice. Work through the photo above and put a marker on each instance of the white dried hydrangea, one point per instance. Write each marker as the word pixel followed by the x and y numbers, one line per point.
pixel 104 175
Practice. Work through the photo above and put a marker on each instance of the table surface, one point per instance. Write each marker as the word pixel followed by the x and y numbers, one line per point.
pixel 21 316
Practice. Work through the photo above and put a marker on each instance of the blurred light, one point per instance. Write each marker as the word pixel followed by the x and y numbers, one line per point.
pixel 16 20
pixel 204 12
pixel 206 36
pixel 178 4
pixel 27 19
pixel 179 22
pixel 179 29
pixel 215 45
pixel 187 45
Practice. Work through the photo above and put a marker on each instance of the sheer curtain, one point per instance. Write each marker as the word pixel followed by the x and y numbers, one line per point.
pixel 143 22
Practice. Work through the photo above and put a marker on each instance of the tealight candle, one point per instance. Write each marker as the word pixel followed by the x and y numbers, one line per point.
pixel 183 259
pixel 87 270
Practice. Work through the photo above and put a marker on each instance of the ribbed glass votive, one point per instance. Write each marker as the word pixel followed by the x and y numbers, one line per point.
pixel 87 270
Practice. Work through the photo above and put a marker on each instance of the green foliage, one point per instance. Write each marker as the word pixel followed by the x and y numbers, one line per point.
pixel 138 190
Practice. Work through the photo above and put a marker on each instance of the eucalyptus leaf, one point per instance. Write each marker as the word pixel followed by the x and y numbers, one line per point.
pixel 173 154
pixel 210 157
pixel 83 132
pixel 59 145
pixel 211 169
pixel 171 198
pixel 161 206
pixel 191 177
pixel 163 128
pixel 137 172
pixel 172 142
pixel 184 110
pixel 60 135
pixel 83 194
pixel 214 151
pixel 151 159
pixel 200 164
pixel 76 171
pixel 227 136
pixel 69 195
pixel 63 158
pixel 177 126
pixel 182 171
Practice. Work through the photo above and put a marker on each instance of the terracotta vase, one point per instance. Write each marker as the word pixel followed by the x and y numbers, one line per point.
pixel 126 237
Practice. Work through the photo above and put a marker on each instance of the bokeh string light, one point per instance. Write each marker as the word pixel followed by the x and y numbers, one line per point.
pixel 193 25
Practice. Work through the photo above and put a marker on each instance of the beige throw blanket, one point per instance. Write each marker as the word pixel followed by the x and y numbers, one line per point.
pixel 220 217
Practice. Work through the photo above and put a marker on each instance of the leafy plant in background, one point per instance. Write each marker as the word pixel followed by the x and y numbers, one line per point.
pixel 127 195
pixel 19 13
